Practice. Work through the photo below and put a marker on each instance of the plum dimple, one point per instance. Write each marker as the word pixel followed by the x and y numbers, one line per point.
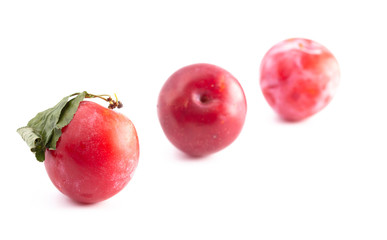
pixel 201 109
pixel 298 78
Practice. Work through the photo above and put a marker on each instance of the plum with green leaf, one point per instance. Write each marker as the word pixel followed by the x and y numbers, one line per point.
pixel 90 152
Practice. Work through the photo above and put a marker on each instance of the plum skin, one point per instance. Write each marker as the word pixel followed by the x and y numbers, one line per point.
pixel 201 109
pixel 95 156
pixel 299 77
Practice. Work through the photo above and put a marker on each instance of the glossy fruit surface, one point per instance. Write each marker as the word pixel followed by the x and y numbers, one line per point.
pixel 298 78
pixel 202 109
pixel 96 155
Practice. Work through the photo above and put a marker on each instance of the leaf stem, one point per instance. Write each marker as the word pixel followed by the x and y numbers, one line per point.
pixel 112 103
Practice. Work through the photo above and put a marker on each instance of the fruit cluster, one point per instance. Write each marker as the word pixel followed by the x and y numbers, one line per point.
pixel 90 152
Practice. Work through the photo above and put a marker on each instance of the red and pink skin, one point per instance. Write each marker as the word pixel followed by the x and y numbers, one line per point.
pixel 95 156
pixel 201 109
pixel 299 78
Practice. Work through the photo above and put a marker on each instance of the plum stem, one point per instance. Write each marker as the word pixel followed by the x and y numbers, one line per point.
pixel 112 103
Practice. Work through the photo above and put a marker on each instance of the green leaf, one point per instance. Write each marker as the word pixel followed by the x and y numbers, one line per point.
pixel 44 130
pixel 65 118
pixel 40 156
pixel 29 136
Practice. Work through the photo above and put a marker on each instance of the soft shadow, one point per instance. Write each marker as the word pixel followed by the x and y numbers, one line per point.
pixel 281 120
pixel 68 202
pixel 185 157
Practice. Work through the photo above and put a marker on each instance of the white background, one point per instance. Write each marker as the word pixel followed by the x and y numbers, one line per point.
pixel 323 178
